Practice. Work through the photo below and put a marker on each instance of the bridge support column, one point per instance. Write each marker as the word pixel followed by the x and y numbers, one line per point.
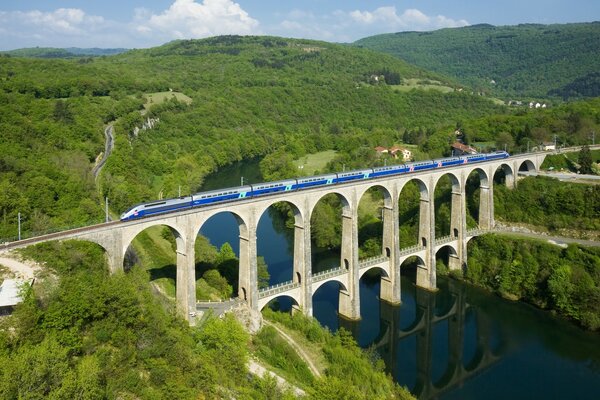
pixel 185 291
pixel 458 227
pixel 390 286
pixel 303 265
pixel 349 305
pixel 115 253
pixel 426 277
pixel 248 280
pixel 486 206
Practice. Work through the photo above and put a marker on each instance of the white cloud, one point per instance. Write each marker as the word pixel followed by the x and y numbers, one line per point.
pixel 351 25
pixel 191 19
pixel 411 19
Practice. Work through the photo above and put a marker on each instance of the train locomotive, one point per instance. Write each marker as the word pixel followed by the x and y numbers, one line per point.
pixel 266 188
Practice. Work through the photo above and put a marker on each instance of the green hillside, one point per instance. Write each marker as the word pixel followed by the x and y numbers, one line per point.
pixel 249 96
pixel 529 61
pixel 53 52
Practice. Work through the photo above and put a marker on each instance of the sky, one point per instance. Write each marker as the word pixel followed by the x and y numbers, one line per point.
pixel 141 24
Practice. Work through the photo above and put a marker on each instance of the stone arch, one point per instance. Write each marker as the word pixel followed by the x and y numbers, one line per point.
pixel 294 302
pixel 318 285
pixel 504 174
pixel 240 244
pixel 330 229
pixel 283 263
pixel 475 186
pixel 527 166
pixel 408 212
pixel 410 265
pixel 448 255
pixel 447 217
pixel 384 273
pixel 372 236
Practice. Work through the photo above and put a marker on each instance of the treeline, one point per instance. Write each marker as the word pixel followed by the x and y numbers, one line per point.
pixel 82 333
pixel 491 59
pixel 549 203
pixel 566 281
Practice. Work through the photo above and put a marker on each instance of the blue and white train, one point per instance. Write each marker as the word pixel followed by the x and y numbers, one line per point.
pixel 262 189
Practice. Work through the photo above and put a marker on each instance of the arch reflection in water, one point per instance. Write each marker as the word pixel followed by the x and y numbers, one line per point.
pixel 433 342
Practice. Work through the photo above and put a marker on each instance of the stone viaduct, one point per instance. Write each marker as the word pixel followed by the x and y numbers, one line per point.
pixel 116 237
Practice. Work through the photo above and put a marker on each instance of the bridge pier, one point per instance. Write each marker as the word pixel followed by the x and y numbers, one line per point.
pixel 349 305
pixel 458 225
pixel 390 286
pixel 248 280
pixel 303 265
pixel 185 291
pixel 426 276
pixel 486 206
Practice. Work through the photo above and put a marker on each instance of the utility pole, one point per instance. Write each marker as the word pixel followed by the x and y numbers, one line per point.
pixel 106 208
pixel 19 217
pixel 179 191
pixel 528 145
pixel 242 181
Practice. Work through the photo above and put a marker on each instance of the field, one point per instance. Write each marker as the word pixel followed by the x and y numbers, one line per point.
pixel 312 164
pixel 159 97
pixel 409 84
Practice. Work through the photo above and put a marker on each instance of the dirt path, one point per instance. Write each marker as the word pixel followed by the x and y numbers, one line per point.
pixel 297 347
pixel 21 269
pixel 257 369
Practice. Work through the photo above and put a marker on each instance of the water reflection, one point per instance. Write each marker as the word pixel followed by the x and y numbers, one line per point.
pixel 433 342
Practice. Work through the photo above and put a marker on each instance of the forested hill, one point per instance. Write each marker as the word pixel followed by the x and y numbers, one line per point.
pixel 229 98
pixel 54 52
pixel 529 60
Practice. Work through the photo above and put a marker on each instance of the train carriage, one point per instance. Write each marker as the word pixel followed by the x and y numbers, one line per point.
pixel 318 180
pixel 215 196
pixel 353 175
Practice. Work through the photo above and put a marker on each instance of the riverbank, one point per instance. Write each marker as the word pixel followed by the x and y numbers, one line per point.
pixel 565 280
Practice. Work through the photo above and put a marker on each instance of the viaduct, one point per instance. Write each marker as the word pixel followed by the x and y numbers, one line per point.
pixel 115 237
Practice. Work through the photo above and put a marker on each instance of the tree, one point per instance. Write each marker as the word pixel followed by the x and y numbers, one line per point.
pixel 585 160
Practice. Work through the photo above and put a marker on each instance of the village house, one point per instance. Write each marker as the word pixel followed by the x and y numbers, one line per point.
pixel 459 149
pixel 398 152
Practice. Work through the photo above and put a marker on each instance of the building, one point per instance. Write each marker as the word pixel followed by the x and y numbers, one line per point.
pixel 397 152
pixel 10 294
pixel 381 150
pixel 548 146
pixel 460 149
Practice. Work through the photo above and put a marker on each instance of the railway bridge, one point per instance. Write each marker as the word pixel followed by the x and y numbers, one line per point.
pixel 115 237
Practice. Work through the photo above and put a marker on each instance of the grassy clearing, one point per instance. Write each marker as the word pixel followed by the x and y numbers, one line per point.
pixel 410 84
pixel 313 350
pixel 312 164
pixel 159 97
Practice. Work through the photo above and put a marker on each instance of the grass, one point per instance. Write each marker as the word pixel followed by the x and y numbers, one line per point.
pixel 157 256
pixel 312 164
pixel 159 97
pixel 313 350
pixel 410 84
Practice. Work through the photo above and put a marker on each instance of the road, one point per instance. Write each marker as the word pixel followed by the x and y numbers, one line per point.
pixel 564 176
pixel 108 147
pixel 557 240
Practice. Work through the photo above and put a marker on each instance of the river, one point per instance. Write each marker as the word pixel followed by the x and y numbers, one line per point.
pixel 458 343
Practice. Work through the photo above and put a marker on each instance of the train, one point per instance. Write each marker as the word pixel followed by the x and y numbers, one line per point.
pixel 287 185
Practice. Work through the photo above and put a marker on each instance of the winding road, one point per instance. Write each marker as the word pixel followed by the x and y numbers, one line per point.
pixel 108 147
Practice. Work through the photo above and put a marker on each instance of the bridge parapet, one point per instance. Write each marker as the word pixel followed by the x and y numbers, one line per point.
pixel 444 239
pixel 410 250
pixel 328 273
pixel 368 262
pixel 276 289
